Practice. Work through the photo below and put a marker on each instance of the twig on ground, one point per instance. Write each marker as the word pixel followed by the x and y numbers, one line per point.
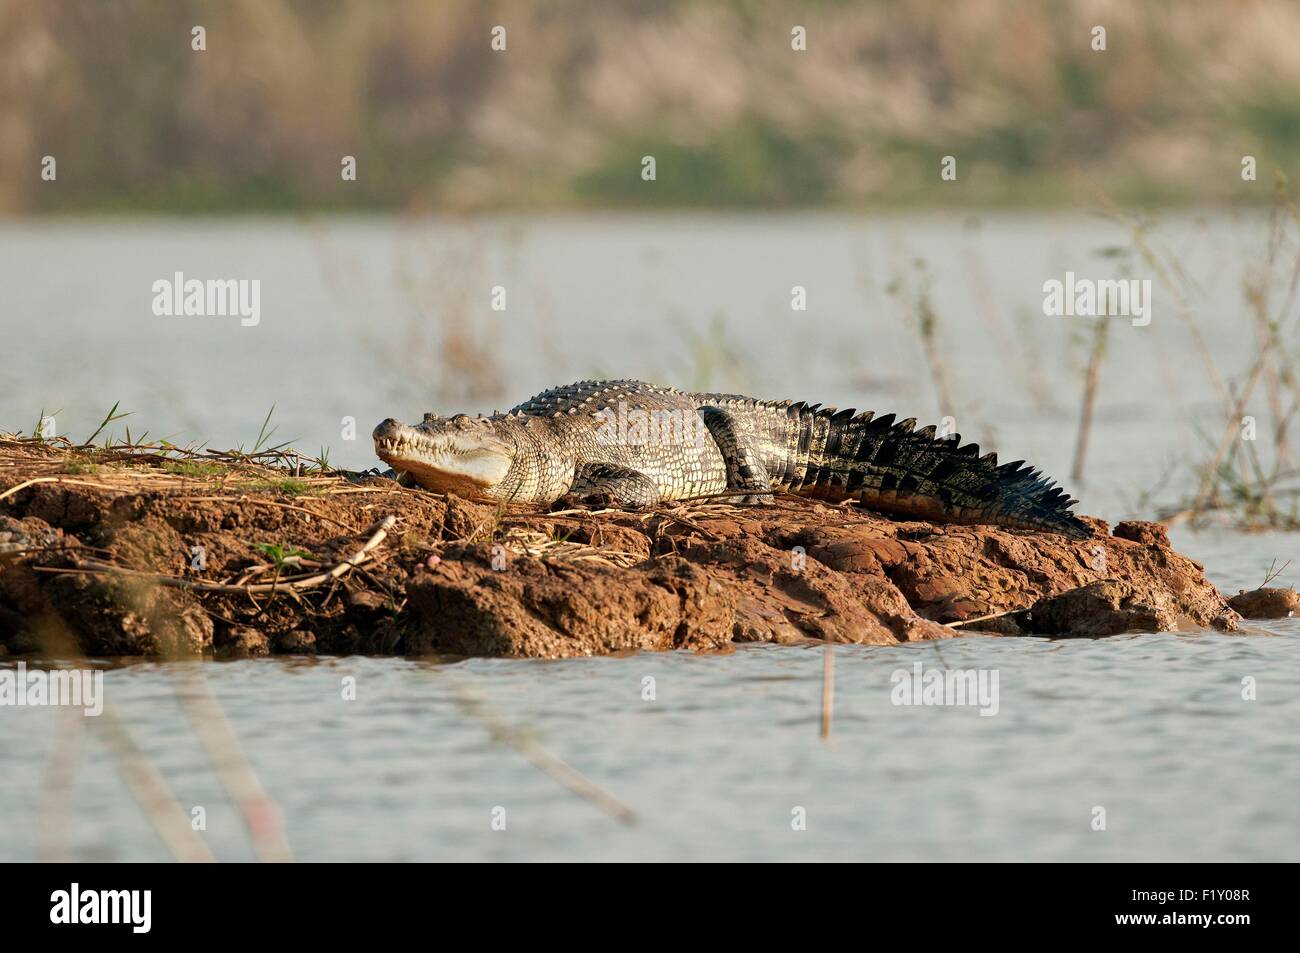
pixel 292 583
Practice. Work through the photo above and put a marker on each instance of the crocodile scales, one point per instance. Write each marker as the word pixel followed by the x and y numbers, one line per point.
pixel 632 444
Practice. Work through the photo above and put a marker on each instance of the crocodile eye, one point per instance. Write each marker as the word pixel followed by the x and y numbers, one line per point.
pixel 462 422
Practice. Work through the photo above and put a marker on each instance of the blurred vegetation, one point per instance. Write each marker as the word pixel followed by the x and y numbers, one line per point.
pixel 436 119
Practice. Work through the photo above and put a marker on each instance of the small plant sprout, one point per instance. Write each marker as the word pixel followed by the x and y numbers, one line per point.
pixel 262 444
pixel 111 416
pixel 283 556
pixel 1274 573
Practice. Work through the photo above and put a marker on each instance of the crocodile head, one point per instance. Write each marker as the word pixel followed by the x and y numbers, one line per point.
pixel 460 454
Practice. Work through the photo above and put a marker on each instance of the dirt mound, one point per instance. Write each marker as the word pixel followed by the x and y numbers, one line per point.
pixel 144 551
pixel 1266 603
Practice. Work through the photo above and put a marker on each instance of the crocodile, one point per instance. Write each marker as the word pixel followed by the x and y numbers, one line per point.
pixel 636 445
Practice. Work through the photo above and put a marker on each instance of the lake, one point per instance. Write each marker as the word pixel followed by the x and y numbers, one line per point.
pixel 365 318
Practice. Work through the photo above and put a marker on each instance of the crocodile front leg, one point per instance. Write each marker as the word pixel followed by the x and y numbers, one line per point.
pixel 745 470
pixel 606 485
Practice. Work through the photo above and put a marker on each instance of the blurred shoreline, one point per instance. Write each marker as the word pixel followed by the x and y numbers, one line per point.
pixel 262 118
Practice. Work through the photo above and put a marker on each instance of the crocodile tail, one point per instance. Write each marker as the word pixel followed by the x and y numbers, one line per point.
pixel 891 466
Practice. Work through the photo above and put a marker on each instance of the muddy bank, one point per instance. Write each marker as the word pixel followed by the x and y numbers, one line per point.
pixel 133 551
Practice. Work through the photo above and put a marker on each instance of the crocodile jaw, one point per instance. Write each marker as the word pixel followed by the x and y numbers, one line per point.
pixel 448 455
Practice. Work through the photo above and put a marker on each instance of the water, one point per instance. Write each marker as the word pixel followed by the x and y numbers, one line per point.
pixel 1151 728
pixel 371 318
pixel 355 322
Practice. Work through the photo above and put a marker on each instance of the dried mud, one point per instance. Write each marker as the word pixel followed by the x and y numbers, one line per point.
pixel 125 557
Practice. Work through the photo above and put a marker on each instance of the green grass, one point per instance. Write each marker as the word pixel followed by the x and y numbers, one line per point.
pixel 198 469
pixel 280 554
pixel 1273 117
pixel 748 163
pixel 290 486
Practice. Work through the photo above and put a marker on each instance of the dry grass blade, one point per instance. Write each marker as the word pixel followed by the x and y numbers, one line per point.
pixel 535 543
pixel 1232 481
pixel 828 689
pixel 37 480
pixel 256 809
pixel 981 618
pixel 1090 380
pixel 292 583
pixel 555 767
pixel 146 784
pixel 60 774
pixel 1274 573
pixel 150 790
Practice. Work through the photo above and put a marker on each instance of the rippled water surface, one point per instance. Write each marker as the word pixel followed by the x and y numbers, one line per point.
pixel 1152 728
